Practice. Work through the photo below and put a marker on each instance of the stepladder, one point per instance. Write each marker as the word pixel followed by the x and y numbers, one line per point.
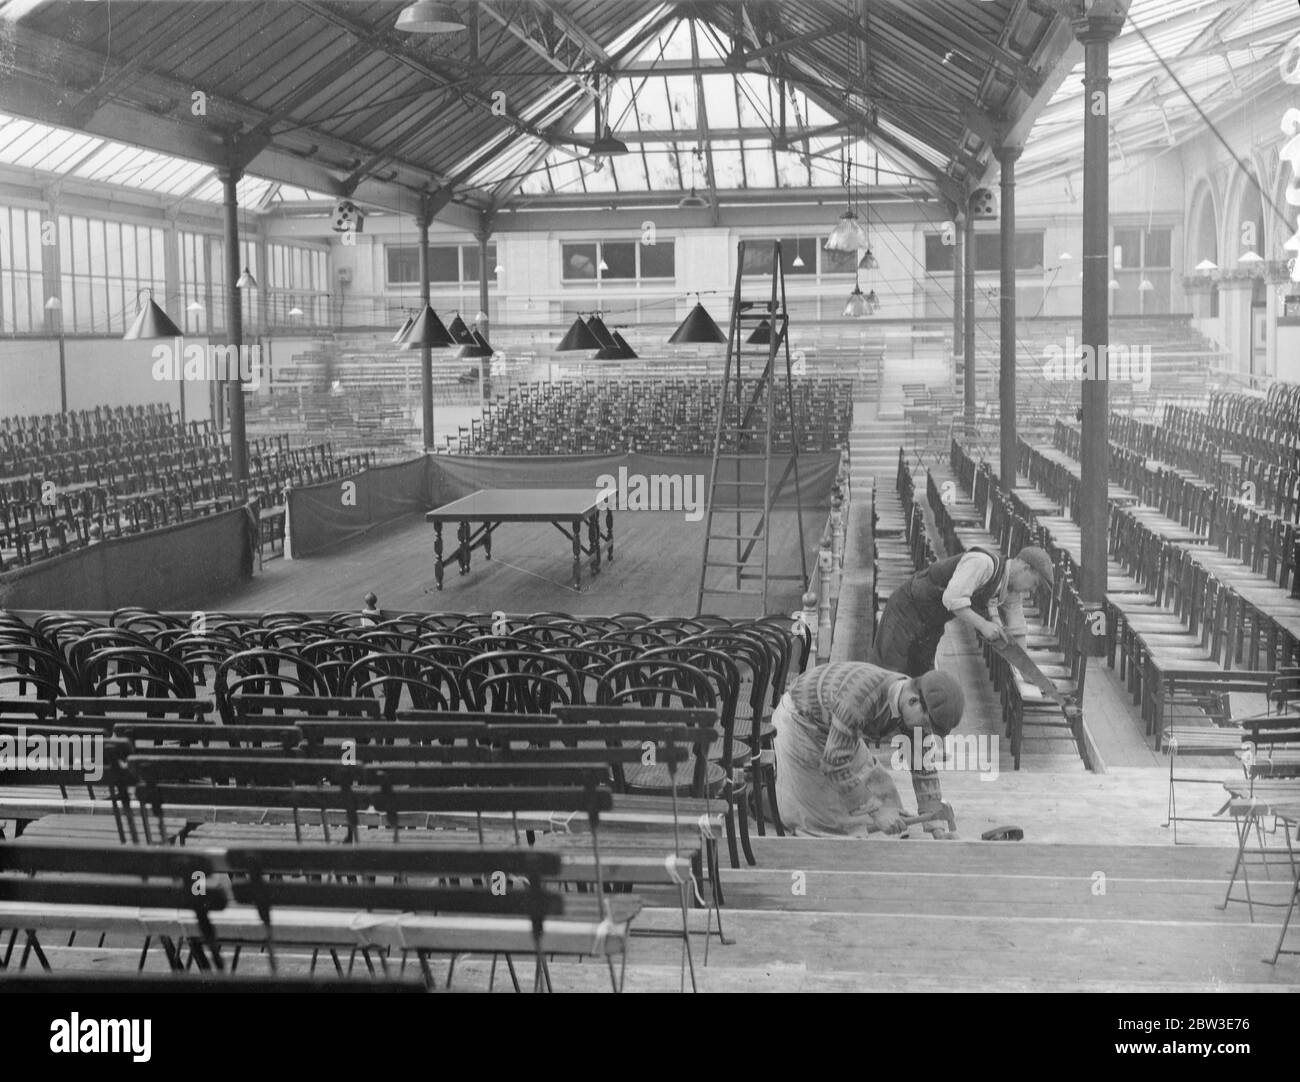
pixel 755 463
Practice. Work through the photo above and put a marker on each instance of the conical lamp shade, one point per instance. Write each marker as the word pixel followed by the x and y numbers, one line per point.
pixel 697 328
pixel 607 144
pixel 460 333
pixel 579 338
pixel 151 322
pixel 401 331
pixel 597 327
pixel 477 346
pixel 427 331
pixel 762 335
pixel 629 354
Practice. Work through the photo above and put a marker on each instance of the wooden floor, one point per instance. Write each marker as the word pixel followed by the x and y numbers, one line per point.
pixel 911 915
pixel 656 571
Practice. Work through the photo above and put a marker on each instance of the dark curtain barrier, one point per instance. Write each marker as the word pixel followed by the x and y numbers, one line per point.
pixel 178 567
pixel 322 516
pixel 454 476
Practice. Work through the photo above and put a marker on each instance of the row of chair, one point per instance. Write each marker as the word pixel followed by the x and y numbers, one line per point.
pixel 443 661
pixel 51 512
pixel 454 772
pixel 671 416
pixel 1183 607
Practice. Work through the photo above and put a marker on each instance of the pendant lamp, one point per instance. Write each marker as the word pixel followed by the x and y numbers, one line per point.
pixel 427 331
pixel 428 17
pixel 578 339
pixel 697 328
pixel 151 321
pixel 597 327
pixel 460 333
pixel 848 234
pixel 629 354
pixel 477 346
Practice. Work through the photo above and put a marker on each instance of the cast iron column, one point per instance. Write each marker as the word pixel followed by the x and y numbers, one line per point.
pixel 1095 30
pixel 968 289
pixel 426 354
pixel 1007 156
pixel 958 247
pixel 235 335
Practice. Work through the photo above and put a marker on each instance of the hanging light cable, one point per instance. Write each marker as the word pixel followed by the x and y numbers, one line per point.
pixel 693 201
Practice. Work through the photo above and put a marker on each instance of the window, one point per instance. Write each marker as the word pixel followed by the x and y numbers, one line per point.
pixel 297 277
pixel 834 262
pixel 1141 258
pixel 469 253
pixel 620 259
pixel 22 300
pixel 658 260
pixel 403 265
pixel 758 255
pixel 99 295
pixel 203 278
pixel 614 261
pixel 1028 246
pixel 447 263
pixel 939 257
pixel 444 263
pixel 579 262
pixel 1127 249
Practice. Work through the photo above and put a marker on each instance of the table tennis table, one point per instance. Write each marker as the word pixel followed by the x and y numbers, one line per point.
pixel 569 510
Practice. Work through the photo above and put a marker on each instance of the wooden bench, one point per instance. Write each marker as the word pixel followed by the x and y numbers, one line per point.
pixel 132 888
pixel 426 906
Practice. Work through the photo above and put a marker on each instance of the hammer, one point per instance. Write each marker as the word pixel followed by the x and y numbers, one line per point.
pixel 943 811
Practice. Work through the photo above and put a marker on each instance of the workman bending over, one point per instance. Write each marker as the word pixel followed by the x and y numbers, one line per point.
pixel 980 587
pixel 828 782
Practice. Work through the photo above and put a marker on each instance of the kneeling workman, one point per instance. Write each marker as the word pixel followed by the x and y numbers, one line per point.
pixel 827 780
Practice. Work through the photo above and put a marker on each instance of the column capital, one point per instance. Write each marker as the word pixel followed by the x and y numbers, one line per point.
pixel 1097 21
pixel 1007 152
